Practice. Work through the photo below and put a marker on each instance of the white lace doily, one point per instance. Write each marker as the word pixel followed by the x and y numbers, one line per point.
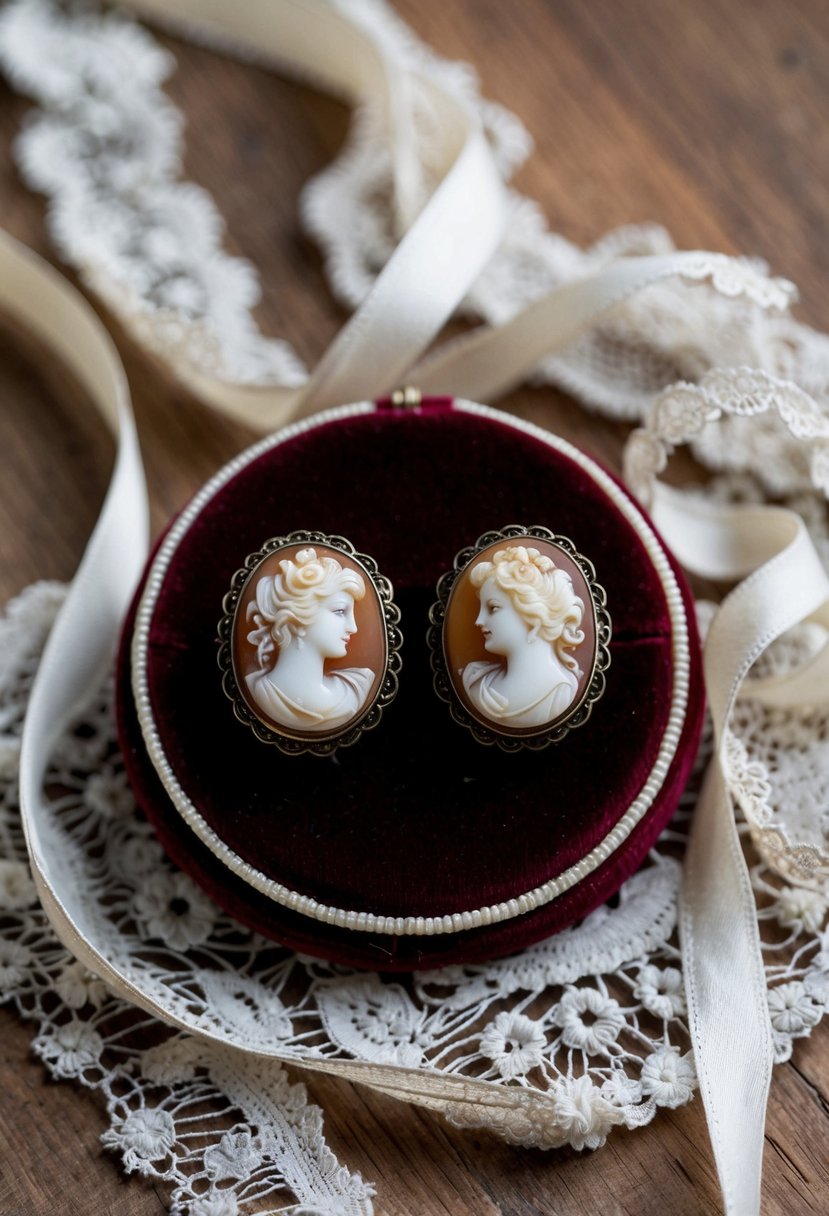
pixel 588 1025
pixel 581 1033
pixel 105 146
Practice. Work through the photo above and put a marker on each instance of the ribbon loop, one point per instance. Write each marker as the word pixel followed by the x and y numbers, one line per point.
pixel 448 241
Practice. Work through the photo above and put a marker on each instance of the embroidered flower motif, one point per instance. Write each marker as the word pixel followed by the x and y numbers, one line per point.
pixel 801 909
pixel 132 857
pixel 660 991
pixel 17 891
pixel 76 986
pixel 680 413
pixel 583 1113
pixel 70 1049
pixel 233 1157
pixel 171 907
pixel 14 963
pixel 514 1043
pixel 589 1021
pixel 792 1010
pixel 622 1090
pixel 145 1135
pixel 804 417
pixel 669 1077
pixel 108 795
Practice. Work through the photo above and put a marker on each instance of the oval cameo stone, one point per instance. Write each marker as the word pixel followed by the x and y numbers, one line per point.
pixel 310 642
pixel 524 636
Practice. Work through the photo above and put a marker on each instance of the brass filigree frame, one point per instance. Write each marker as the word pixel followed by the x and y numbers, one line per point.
pixel 372 712
pixel 593 683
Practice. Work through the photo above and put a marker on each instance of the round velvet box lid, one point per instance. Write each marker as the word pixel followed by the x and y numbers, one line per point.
pixel 417 846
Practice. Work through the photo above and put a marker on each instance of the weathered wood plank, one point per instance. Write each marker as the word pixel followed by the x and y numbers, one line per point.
pixel 709 119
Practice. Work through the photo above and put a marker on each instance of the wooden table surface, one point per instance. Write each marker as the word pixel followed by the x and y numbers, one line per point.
pixel 709 118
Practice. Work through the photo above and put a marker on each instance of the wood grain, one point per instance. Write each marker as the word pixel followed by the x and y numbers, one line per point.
pixel 708 118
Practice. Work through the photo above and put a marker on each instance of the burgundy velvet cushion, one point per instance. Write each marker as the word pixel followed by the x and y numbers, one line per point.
pixel 416 818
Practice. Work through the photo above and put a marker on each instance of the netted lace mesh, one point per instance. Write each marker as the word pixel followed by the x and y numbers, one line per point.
pixel 573 1036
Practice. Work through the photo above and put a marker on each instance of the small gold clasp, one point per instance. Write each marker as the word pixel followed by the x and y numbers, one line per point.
pixel 406 398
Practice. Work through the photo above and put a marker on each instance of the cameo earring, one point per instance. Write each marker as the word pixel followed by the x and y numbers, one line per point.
pixel 309 643
pixel 519 637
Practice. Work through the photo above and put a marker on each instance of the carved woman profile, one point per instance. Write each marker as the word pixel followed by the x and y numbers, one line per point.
pixel 303 616
pixel 531 617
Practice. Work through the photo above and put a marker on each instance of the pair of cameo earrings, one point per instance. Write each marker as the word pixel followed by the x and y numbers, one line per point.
pixel 310 640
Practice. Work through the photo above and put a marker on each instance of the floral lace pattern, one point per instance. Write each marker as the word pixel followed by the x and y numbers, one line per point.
pixel 105 147
pixel 777 758
pixel 781 417
pixel 557 1045
pixel 261 1136
pixel 574 1036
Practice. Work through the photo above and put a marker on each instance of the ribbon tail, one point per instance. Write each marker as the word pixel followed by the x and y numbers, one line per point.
pixel 726 989
pixel 725 979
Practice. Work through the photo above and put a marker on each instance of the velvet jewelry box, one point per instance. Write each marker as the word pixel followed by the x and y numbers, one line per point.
pixel 417 846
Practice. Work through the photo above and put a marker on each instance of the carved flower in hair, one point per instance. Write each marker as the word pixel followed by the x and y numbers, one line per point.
pixel 541 561
pixel 528 564
pixel 514 553
pixel 307 571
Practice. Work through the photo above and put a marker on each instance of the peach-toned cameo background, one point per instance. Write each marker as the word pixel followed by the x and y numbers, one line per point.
pixel 367 647
pixel 463 641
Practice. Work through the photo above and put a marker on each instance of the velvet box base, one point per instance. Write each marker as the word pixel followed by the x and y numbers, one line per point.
pixel 416 819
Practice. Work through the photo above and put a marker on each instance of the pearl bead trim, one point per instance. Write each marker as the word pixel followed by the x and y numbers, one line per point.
pixel 421 926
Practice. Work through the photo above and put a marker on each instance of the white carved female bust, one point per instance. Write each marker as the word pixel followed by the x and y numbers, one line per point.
pixel 303 616
pixel 531 616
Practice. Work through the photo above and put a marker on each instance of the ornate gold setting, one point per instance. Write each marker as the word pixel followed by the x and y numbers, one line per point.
pixel 547 595
pixel 294 607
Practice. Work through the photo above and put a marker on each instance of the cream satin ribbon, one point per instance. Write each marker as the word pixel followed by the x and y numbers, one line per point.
pixel 722 962
pixel 445 246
